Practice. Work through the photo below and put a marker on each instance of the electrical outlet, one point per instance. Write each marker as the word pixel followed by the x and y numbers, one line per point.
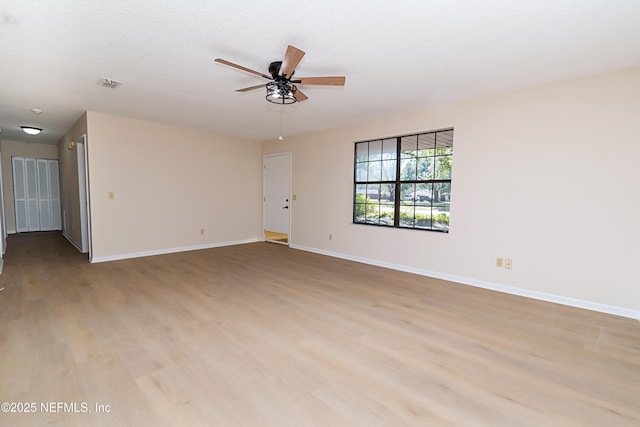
pixel 508 263
pixel 202 231
pixel 330 236
pixel 112 195
pixel 499 262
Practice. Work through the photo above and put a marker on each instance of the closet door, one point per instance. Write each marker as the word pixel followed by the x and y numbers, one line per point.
pixel 44 205
pixel 31 178
pixel 36 189
pixel 54 194
pixel 19 194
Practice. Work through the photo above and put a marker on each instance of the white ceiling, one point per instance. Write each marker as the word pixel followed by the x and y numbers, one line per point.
pixel 396 55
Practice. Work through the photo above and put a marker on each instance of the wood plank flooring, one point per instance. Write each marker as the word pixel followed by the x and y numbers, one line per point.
pixel 264 335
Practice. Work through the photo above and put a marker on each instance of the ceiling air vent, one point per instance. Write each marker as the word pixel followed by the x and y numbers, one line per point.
pixel 109 83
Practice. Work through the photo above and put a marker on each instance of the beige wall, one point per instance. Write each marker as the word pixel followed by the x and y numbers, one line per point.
pixel 69 191
pixel 10 149
pixel 169 183
pixel 547 176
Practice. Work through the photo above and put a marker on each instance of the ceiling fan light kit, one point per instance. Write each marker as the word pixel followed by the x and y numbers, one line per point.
pixel 281 92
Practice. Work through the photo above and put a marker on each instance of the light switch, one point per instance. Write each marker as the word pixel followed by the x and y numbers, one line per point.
pixel 111 195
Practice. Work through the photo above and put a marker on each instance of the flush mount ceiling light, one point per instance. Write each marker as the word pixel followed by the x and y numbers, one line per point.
pixel 30 130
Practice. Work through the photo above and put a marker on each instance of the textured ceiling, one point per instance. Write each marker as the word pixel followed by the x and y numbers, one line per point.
pixel 396 55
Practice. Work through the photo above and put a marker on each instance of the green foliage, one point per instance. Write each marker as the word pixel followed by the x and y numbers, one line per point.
pixel 364 205
pixel 425 219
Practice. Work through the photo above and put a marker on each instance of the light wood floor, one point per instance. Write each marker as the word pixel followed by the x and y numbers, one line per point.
pixel 264 335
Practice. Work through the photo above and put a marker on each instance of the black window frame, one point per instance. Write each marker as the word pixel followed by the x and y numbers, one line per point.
pixel 384 191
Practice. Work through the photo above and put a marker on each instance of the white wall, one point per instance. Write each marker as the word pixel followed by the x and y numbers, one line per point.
pixel 547 176
pixel 169 183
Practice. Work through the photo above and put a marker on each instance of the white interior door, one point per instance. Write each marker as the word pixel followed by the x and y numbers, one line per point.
pixel 277 197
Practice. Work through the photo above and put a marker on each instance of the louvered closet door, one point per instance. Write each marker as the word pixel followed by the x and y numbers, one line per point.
pixel 54 194
pixel 36 189
pixel 19 194
pixel 44 205
pixel 31 177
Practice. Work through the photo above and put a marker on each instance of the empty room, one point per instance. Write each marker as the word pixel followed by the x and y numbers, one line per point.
pixel 337 213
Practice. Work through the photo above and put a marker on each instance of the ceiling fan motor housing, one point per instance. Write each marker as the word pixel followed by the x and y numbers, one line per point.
pixel 274 69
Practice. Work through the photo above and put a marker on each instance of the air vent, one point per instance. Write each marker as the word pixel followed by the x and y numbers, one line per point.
pixel 109 83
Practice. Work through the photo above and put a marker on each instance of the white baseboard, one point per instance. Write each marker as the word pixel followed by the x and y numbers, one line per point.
pixel 171 250
pixel 558 299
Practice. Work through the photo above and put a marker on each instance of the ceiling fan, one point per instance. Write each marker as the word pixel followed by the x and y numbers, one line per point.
pixel 281 88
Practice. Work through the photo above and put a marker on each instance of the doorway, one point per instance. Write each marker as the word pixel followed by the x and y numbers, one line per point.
pixel 277 198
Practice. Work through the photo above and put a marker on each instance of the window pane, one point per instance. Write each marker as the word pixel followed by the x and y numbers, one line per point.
pixel 373 192
pixel 443 167
pixel 360 210
pixel 425 168
pixel 387 205
pixel 361 171
pixel 373 214
pixel 388 170
pixel 426 144
pixel 406 216
pixel 375 150
pixel 375 171
pixel 423 216
pixel 441 221
pixel 389 150
pixel 441 206
pixel 387 192
pixel 409 146
pixel 444 151
pixel 444 138
pixel 442 193
pixel 408 169
pixel 424 194
pixel 361 190
pixel 362 151
pixel 407 193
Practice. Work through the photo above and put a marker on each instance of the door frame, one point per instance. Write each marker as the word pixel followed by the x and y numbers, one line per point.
pixel 83 196
pixel 264 195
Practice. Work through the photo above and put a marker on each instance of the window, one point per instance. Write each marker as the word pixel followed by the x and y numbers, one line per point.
pixel 405 181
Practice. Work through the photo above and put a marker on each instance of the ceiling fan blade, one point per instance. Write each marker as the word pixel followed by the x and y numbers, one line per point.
pixel 250 88
pixel 240 67
pixel 299 96
pixel 327 81
pixel 292 58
